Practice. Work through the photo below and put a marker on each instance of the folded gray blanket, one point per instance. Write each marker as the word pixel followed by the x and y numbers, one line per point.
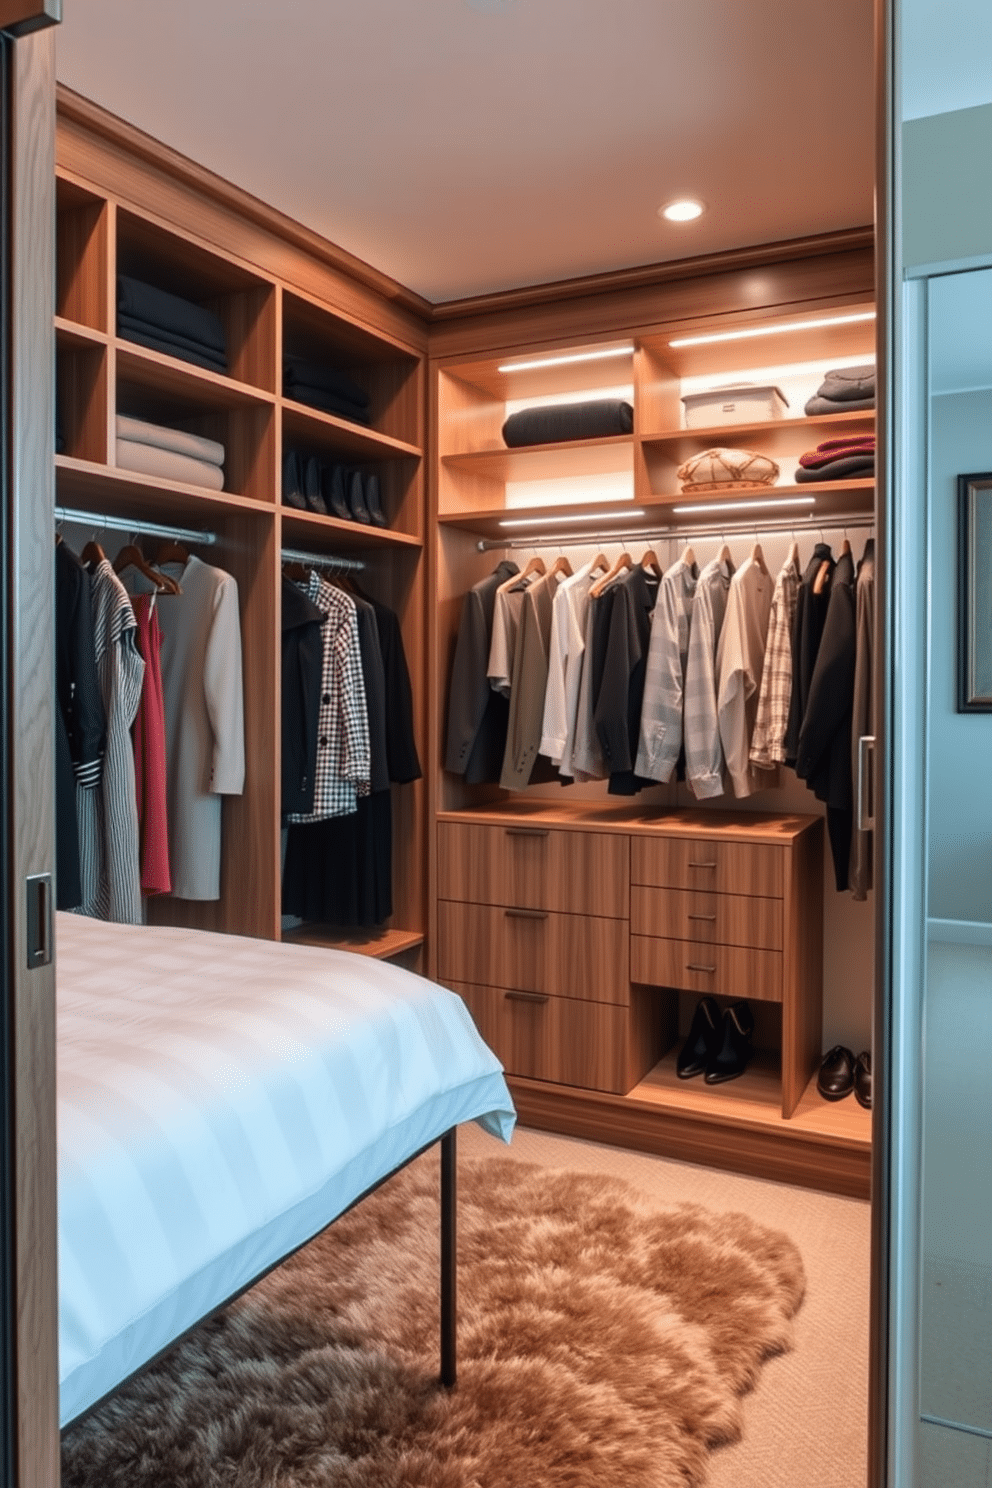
pixel 169 312
pixel 177 440
pixel 818 406
pixel 855 467
pixel 297 371
pixel 847 384
pixel 167 465
pixel 591 420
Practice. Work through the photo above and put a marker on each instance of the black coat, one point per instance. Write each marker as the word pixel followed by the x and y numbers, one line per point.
pixel 477 716
pixel 807 628
pixel 81 724
pixel 824 754
pixel 617 712
pixel 302 675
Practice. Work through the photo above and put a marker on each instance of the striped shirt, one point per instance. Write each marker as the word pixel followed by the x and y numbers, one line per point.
pixel 771 721
pixel 109 857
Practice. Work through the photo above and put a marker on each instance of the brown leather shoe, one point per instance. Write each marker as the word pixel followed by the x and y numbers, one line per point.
pixel 862 1079
pixel 836 1077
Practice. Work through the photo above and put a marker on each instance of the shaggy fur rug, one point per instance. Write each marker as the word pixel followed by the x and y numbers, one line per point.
pixel 600 1341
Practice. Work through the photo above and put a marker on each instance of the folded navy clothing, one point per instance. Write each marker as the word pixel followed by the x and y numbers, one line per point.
pixel 126 324
pixel 594 419
pixel 208 359
pixel 298 372
pixel 328 403
pixel 818 406
pixel 855 467
pixel 170 312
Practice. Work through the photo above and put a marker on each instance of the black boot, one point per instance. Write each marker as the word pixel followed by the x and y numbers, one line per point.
pixel 700 1047
pixel 373 503
pixel 356 498
pixel 292 481
pixel 734 1052
pixel 311 488
pixel 334 496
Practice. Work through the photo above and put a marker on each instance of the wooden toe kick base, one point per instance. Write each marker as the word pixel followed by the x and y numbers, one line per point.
pixel 825 1147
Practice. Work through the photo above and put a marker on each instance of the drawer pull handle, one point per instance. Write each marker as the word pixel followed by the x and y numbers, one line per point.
pixel 526 914
pixel 697 966
pixel 701 917
pixel 709 864
pixel 527 831
pixel 526 996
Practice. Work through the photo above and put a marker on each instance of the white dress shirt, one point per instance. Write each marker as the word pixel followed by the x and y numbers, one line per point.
pixel 566 646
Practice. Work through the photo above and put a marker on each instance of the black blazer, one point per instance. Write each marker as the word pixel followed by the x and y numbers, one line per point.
pixel 807 629
pixel 81 724
pixel 477 716
pixel 302 677
pixel 617 712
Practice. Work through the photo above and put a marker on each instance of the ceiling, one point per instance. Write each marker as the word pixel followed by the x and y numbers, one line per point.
pixel 467 146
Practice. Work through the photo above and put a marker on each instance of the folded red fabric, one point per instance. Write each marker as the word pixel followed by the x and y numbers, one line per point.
pixel 837 449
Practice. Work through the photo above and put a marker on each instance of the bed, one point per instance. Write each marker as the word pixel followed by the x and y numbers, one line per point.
pixel 220 1101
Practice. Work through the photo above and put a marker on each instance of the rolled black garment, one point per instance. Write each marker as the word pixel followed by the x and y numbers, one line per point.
pixel 594 419
pixel 853 467
pixel 319 377
pixel 170 313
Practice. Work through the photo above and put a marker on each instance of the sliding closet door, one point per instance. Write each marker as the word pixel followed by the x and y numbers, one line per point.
pixel 28 1290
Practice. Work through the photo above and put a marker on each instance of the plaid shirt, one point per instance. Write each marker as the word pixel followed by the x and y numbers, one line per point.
pixel 768 740
pixel 343 750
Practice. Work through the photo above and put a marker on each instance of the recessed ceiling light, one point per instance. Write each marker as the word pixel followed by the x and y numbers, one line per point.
pixel 681 211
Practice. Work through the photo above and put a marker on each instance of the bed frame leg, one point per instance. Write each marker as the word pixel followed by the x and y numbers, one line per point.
pixel 449 1261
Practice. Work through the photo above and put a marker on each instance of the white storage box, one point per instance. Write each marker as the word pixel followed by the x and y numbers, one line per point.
pixel 743 404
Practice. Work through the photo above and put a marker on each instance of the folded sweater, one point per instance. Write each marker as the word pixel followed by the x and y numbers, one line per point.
pixel 157 341
pixel 177 440
pixel 848 384
pixel 169 312
pixel 837 449
pixel 167 465
pixel 594 419
pixel 818 406
pixel 316 375
pixel 853 467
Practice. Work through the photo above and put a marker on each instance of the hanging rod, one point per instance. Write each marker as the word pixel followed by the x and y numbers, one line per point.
pixel 323 560
pixel 134 524
pixel 675 530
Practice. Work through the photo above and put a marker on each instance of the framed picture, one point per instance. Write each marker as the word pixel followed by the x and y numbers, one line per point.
pixel 975 593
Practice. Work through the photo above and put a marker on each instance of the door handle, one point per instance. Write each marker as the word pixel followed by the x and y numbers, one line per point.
pixel 38 888
pixel 707 864
pixel 865 794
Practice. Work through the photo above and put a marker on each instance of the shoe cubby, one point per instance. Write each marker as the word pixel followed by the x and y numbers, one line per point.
pixel 245 303
pixel 81 396
pixel 81 256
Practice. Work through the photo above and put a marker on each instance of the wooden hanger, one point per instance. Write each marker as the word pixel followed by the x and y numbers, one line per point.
pixel 650 560
pixel 689 557
pixel 131 556
pixel 793 554
pixel 561 565
pixel 600 562
pixel 724 556
pixel 624 561
pixel 172 552
pixel 758 557
pixel 297 573
pixel 536 565
pixel 92 553
pixel 845 548
pixel 822 575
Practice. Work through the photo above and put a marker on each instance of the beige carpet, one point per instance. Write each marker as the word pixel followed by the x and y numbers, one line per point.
pixel 602 1340
pixel 806 1423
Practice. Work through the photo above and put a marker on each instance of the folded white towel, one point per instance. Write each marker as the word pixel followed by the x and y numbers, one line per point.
pixel 167 465
pixel 176 440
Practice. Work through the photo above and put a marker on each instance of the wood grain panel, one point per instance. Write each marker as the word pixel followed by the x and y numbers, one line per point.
pixel 534 951
pixel 29 130
pixel 707 918
pixel 553 1038
pixel 802 1013
pixel 534 868
pixel 81 260
pixel 708 863
pixel 83 398
pixel 692 966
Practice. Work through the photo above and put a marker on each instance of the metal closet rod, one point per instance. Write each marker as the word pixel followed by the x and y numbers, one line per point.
pixel 323 560
pixel 608 535
pixel 108 523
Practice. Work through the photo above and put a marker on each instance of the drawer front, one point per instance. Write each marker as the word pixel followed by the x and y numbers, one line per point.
pixel 535 868
pixel 692 966
pixel 574 956
pixel 708 918
pixel 756 869
pixel 552 1038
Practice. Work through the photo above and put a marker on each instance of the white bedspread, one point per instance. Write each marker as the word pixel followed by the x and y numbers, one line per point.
pixel 220 1100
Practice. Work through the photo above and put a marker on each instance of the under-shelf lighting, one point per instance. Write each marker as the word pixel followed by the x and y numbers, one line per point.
pixel 619 515
pixel 562 361
pixel 772 330
pixel 727 506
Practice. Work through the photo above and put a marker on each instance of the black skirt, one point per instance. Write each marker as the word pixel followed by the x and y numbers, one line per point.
pixel 340 871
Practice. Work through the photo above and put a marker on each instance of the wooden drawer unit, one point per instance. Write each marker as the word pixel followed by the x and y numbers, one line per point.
pixel 706 863
pixel 534 867
pixel 708 918
pixel 529 950
pixel 693 966
pixel 568 1042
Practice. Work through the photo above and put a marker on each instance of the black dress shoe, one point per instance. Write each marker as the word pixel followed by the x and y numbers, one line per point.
pixel 862 1079
pixel 332 482
pixel 734 1051
pixel 700 1046
pixel 373 503
pixel 836 1077
pixel 356 498
pixel 292 481
pixel 311 487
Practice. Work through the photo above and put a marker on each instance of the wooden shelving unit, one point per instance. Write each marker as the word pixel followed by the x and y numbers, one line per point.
pixel 153 218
